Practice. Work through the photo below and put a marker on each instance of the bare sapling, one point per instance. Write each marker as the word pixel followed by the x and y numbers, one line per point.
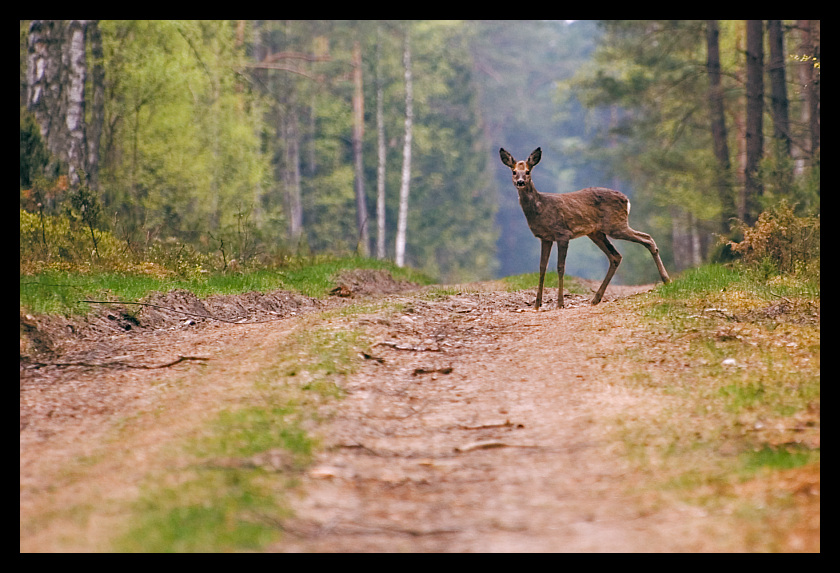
pixel 560 217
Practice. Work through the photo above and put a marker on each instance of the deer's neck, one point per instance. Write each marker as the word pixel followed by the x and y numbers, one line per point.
pixel 529 200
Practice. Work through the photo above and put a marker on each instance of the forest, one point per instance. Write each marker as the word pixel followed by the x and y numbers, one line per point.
pixel 247 142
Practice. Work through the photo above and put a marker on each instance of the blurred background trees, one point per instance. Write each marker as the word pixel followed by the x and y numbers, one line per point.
pixel 265 138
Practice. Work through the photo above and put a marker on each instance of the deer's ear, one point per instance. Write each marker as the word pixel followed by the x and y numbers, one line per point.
pixel 535 157
pixel 507 158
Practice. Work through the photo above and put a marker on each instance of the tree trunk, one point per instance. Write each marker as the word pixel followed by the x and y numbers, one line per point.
pixel 718 124
pixel 402 221
pixel 76 65
pixel 778 89
pixel 802 149
pixel 754 123
pixel 358 140
pixel 97 116
pixel 291 176
pixel 814 92
pixel 43 76
pixel 685 238
pixel 381 152
pixel 808 79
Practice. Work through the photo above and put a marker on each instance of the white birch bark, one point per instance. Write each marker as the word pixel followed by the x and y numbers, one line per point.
pixel 380 147
pixel 402 220
pixel 76 74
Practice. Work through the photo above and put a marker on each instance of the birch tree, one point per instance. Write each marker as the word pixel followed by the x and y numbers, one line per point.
pixel 75 118
pixel 402 220
pixel 380 150
pixel 43 79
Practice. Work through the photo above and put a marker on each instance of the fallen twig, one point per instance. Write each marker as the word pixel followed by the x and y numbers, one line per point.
pixel 488 444
pixel 396 346
pixel 784 298
pixel 367 356
pixel 418 371
pixel 310 529
pixel 118 364
pixel 722 311
pixel 505 424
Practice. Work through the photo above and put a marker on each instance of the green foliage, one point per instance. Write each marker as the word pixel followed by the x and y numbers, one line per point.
pixel 201 146
pixel 184 150
pixel 62 242
pixel 33 152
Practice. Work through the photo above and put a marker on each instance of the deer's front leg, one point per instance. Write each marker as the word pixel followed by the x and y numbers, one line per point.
pixel 544 254
pixel 562 247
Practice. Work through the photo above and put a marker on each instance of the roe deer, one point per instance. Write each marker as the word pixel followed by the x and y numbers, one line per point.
pixel 560 217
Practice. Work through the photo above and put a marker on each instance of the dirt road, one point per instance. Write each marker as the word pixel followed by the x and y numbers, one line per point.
pixel 486 429
pixel 473 425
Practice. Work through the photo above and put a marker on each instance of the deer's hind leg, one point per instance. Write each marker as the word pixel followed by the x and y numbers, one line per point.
pixel 629 234
pixel 613 255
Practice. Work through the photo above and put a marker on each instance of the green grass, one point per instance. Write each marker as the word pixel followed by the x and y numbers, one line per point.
pixel 782 457
pixel 59 292
pixel 694 283
pixel 216 511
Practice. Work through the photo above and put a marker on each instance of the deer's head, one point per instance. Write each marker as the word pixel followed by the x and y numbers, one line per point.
pixel 521 169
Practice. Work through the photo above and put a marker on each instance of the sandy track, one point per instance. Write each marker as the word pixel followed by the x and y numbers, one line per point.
pixel 485 429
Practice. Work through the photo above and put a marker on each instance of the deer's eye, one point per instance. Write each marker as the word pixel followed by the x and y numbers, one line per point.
pixel 528 172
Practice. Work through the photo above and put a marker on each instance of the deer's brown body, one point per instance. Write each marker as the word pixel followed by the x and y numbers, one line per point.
pixel 560 217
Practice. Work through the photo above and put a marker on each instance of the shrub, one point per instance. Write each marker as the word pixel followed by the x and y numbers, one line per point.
pixel 781 240
pixel 47 240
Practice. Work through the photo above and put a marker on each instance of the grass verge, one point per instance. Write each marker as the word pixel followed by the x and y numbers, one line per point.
pixel 59 292
pixel 738 357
